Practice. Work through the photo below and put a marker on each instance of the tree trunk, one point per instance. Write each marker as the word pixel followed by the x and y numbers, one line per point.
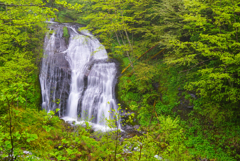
pixel 127 52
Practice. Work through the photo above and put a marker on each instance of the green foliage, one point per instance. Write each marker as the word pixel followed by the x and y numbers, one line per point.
pixel 212 142
pixel 21 46
pixel 165 139
pixel 66 34
pixel 212 52
pixel 21 43
pixel 202 57
pixel 29 132
pixel 132 96
pixel 171 22
pixel 72 12
pixel 202 40
pixel 76 145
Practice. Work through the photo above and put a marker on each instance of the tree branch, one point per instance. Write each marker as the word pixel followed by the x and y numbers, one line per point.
pixel 14 5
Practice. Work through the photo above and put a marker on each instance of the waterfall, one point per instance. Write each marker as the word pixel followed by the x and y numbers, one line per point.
pixel 77 77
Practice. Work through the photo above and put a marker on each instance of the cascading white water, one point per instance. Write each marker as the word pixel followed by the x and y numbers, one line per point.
pixel 90 78
pixel 46 70
pixel 98 100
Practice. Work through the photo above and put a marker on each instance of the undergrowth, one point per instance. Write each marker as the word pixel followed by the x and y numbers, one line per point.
pixel 164 95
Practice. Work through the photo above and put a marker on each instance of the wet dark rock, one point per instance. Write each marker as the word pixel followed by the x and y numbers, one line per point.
pixel 204 159
pixel 127 128
pixel 136 127
pixel 185 105
pixel 27 152
pixel 155 86
pixel 130 131
pixel 194 96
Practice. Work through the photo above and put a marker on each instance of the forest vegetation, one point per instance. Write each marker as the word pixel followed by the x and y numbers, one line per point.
pixel 182 84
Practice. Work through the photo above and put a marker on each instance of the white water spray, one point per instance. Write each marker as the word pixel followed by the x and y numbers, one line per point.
pixel 89 85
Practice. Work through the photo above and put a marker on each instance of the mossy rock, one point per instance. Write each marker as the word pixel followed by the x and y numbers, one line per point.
pixel 66 34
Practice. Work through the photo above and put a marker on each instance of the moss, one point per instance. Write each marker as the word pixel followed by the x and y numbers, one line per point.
pixel 66 34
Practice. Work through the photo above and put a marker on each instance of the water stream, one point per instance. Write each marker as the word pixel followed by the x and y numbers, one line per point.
pixel 77 77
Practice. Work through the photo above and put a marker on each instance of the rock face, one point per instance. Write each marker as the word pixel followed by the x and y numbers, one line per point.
pixel 55 73
pixel 185 103
pixel 77 77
